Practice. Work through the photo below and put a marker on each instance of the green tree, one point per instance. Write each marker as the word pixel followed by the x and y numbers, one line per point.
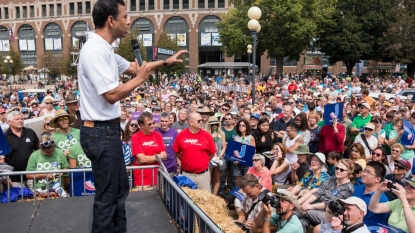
pixel 399 40
pixel 67 61
pixel 357 30
pixel 287 27
pixel 124 48
pixel 166 42
pixel 17 65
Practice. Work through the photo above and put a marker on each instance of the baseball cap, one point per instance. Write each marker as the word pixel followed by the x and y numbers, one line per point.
pixel 355 201
pixel 278 95
pixel 283 194
pixel 128 98
pixel 25 110
pixel 266 113
pixel 386 103
pixel 370 125
pixel 366 105
pixel 255 115
pixel 409 181
pixel 404 163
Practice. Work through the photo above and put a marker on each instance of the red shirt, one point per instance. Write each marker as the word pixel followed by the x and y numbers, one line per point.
pixel 292 87
pixel 330 141
pixel 196 150
pixel 149 145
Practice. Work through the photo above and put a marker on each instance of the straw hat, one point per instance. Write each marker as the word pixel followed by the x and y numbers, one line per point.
pixel 59 114
pixel 206 109
pixel 213 120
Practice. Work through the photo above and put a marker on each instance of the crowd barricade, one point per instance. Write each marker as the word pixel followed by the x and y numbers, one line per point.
pixel 187 215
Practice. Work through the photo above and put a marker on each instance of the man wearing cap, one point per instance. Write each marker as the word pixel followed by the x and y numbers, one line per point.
pixel 253 122
pixel 398 175
pixel 284 220
pixel 127 102
pixel 205 112
pixel 361 120
pixel 72 105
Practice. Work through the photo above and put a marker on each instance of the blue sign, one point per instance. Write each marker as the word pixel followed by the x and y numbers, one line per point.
pixel 383 228
pixel 241 153
pixel 407 138
pixel 81 188
pixel 333 111
pixel 4 146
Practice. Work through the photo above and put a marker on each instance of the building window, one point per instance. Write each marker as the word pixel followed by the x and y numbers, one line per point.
pixel 221 3
pixel 6 13
pixel 211 3
pixel 272 62
pixel 25 12
pixel 58 9
pixel 176 4
pixel 71 8
pixel 51 10
pixel 185 4
pixel 32 11
pixel 17 12
pixel 1 15
pixel 87 7
pixel 166 5
pixel 142 5
pixel 365 63
pixel 79 8
pixel 133 5
pixel 44 10
pixel 201 4
pixel 208 24
pixel 150 4
pixel 287 62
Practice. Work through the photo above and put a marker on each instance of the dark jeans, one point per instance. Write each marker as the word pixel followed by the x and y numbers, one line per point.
pixel 101 144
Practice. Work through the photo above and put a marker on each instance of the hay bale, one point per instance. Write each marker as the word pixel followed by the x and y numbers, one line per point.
pixel 214 207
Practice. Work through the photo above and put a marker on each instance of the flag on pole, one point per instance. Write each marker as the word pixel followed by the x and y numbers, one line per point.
pixel 87 27
pixel 11 36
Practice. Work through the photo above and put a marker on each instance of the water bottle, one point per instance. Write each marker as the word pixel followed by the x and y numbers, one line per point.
pixel 58 189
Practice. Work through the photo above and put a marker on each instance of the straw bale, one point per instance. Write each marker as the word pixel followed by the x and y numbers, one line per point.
pixel 214 207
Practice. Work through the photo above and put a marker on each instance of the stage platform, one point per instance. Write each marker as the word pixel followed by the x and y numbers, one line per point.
pixel 145 213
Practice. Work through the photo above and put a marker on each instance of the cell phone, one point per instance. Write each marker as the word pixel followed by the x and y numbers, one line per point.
pixel 390 186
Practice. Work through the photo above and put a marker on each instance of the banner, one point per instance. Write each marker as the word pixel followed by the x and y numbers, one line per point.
pixel 57 43
pixel 241 153
pixel 135 115
pixel 205 38
pixel 81 188
pixel 31 45
pixel 181 39
pixel 407 138
pixel 216 39
pixel 22 45
pixel 156 118
pixel 333 111
pixel 6 45
pixel 48 43
pixel 75 42
pixel 231 88
pixel 4 145
pixel 172 36
pixel 147 40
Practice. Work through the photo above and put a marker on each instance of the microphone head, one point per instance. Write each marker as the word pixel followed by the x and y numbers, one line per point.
pixel 135 44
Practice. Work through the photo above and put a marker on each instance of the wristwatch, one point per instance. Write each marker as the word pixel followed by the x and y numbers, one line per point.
pixel 165 62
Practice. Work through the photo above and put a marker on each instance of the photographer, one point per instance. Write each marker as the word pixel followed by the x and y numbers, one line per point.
pixel 350 212
pixel 401 210
pixel 284 220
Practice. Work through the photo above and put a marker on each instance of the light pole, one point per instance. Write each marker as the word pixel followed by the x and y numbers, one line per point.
pixel 249 51
pixel 9 62
pixel 254 13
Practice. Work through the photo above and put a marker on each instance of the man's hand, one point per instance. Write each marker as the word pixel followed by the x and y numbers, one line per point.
pixel 143 71
pixel 175 58
pixel 267 210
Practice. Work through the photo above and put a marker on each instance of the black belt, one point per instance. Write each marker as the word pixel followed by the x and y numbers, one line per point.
pixel 196 173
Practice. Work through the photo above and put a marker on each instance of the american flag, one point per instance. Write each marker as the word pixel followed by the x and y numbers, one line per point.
pixel 11 36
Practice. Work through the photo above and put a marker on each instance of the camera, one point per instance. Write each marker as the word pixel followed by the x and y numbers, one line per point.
pixel 336 208
pixel 390 186
pixel 242 226
pixel 274 201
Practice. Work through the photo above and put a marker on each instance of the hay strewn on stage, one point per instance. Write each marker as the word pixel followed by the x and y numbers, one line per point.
pixel 214 207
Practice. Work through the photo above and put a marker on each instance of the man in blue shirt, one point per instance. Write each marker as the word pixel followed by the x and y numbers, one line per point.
pixel 372 176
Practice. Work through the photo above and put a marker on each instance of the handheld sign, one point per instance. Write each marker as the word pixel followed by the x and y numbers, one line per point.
pixel 156 118
pixel 4 145
pixel 241 153
pixel 135 115
pixel 333 111
pixel 407 138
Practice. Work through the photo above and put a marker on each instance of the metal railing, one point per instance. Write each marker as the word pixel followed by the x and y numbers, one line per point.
pixel 180 206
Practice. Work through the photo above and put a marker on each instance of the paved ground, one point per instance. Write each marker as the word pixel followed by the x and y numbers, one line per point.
pixel 145 213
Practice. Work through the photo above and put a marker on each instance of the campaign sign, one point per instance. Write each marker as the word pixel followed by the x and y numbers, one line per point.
pixel 81 188
pixel 135 115
pixel 241 153
pixel 383 228
pixel 156 118
pixel 407 138
pixel 333 111
pixel 4 146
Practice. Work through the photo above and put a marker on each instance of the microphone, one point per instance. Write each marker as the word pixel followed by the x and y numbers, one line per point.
pixel 136 50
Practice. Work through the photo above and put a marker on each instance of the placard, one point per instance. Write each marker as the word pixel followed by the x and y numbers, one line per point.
pixel 22 45
pixel 238 152
pixel 181 39
pixel 216 39
pixel 4 145
pixel 407 138
pixel 382 227
pixel 81 188
pixel 205 38
pixel 57 43
pixel 48 43
pixel 6 45
pixel 31 45
pixel 75 42
pixel 333 111
pixel 135 115
pixel 156 118
pixel 147 40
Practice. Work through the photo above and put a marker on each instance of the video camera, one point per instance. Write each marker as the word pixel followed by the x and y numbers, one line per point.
pixel 273 200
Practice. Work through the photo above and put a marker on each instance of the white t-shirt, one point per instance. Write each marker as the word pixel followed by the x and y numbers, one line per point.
pixel 372 142
pixel 291 157
pixel 98 72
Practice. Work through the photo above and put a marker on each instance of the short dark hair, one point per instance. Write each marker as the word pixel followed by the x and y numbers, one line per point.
pixel 103 9
pixel 334 155
pixel 249 180
pixel 380 170
pixel 226 105
pixel 293 127
pixel 143 117
pixel 357 169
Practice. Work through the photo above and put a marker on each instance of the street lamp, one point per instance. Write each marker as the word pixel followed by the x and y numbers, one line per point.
pixel 9 62
pixel 254 13
pixel 249 51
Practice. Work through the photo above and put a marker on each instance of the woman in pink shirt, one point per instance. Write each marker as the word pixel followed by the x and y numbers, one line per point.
pixel 260 171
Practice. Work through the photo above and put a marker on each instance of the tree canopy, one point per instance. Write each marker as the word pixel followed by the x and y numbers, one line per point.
pixel 166 42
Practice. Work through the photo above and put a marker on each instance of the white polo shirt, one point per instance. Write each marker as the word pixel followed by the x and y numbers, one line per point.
pixel 98 72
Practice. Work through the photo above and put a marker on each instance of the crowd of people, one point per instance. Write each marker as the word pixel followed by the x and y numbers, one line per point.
pixel 359 161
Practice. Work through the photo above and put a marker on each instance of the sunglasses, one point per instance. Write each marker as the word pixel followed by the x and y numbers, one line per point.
pixel 47 143
pixel 376 154
pixel 396 151
pixel 242 125
pixel 151 123
pixel 48 103
pixel 199 121
pixel 255 160
pixel 399 167
pixel 341 169
pixel 63 119
pixel 134 125
pixel 225 109
pixel 368 129
pixel 228 119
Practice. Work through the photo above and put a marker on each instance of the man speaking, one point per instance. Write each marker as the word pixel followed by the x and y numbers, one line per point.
pixel 98 72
